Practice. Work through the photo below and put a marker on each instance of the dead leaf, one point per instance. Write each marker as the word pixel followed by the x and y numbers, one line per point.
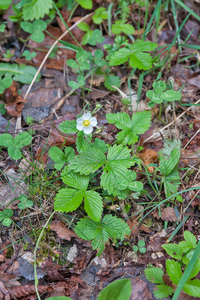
pixel 26 290
pixel 149 157
pixel 135 226
pixel 62 231
pixel 167 214
pixel 56 137
pixel 139 290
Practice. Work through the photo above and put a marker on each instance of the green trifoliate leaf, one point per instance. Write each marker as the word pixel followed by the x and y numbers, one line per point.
pixel 39 25
pixel 88 162
pixel 83 141
pixel 171 95
pixel 81 56
pixel 73 84
pixel 93 205
pixel 163 291
pixel 154 97
pixel 120 57
pixel 173 250
pixel 6 140
pixel 118 162
pixel 87 4
pixel 22 139
pixel 119 27
pixel 99 15
pixel 8 213
pixel 77 181
pixel 192 288
pixel 6 222
pixel 72 64
pixel 110 227
pixel 68 127
pixel 139 124
pixel 167 166
pixel 14 152
pixel 27 26
pixel 96 37
pixel 111 80
pixel 38 36
pixel 58 157
pixel 138 58
pixel 174 270
pixel 154 274
pixel 169 145
pixel 83 26
pixel 68 199
pixel 81 80
pixel 159 87
pixel 36 9
pixel 100 144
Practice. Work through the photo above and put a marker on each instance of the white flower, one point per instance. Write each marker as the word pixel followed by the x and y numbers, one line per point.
pixel 86 123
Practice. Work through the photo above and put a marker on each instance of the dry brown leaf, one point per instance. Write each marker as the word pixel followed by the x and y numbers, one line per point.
pixel 139 290
pixel 149 157
pixel 135 226
pixel 62 231
pixel 167 214
pixel 26 290
pixel 97 80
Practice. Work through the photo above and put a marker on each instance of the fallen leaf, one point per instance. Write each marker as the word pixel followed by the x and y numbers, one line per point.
pixel 62 231
pixel 149 157
pixel 139 290
pixel 134 225
pixel 167 214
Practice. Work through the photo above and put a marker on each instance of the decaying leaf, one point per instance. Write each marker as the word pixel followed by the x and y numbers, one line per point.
pixel 62 231
pixel 134 225
pixel 140 290
pixel 167 214
pixel 149 157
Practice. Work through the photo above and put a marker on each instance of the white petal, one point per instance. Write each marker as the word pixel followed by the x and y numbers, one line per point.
pixel 79 126
pixel 86 116
pixel 93 121
pixel 80 120
pixel 88 129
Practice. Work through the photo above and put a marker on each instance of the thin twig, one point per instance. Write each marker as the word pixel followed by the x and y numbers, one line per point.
pixel 155 133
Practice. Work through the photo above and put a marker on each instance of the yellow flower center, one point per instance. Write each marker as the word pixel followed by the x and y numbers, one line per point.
pixel 86 123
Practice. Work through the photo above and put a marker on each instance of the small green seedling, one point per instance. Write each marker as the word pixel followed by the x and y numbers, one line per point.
pixel 120 27
pixel 14 145
pixel 75 85
pixel 24 202
pixel 2 109
pixel 61 158
pixel 181 254
pixel 5 216
pixel 2 27
pixel 140 247
pixel 29 55
pixel 100 14
pixel 85 27
pixel 81 63
pixel 8 54
pixel 36 29
pixel 160 95
pixel 111 49
pixel 5 83
pixel 96 38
